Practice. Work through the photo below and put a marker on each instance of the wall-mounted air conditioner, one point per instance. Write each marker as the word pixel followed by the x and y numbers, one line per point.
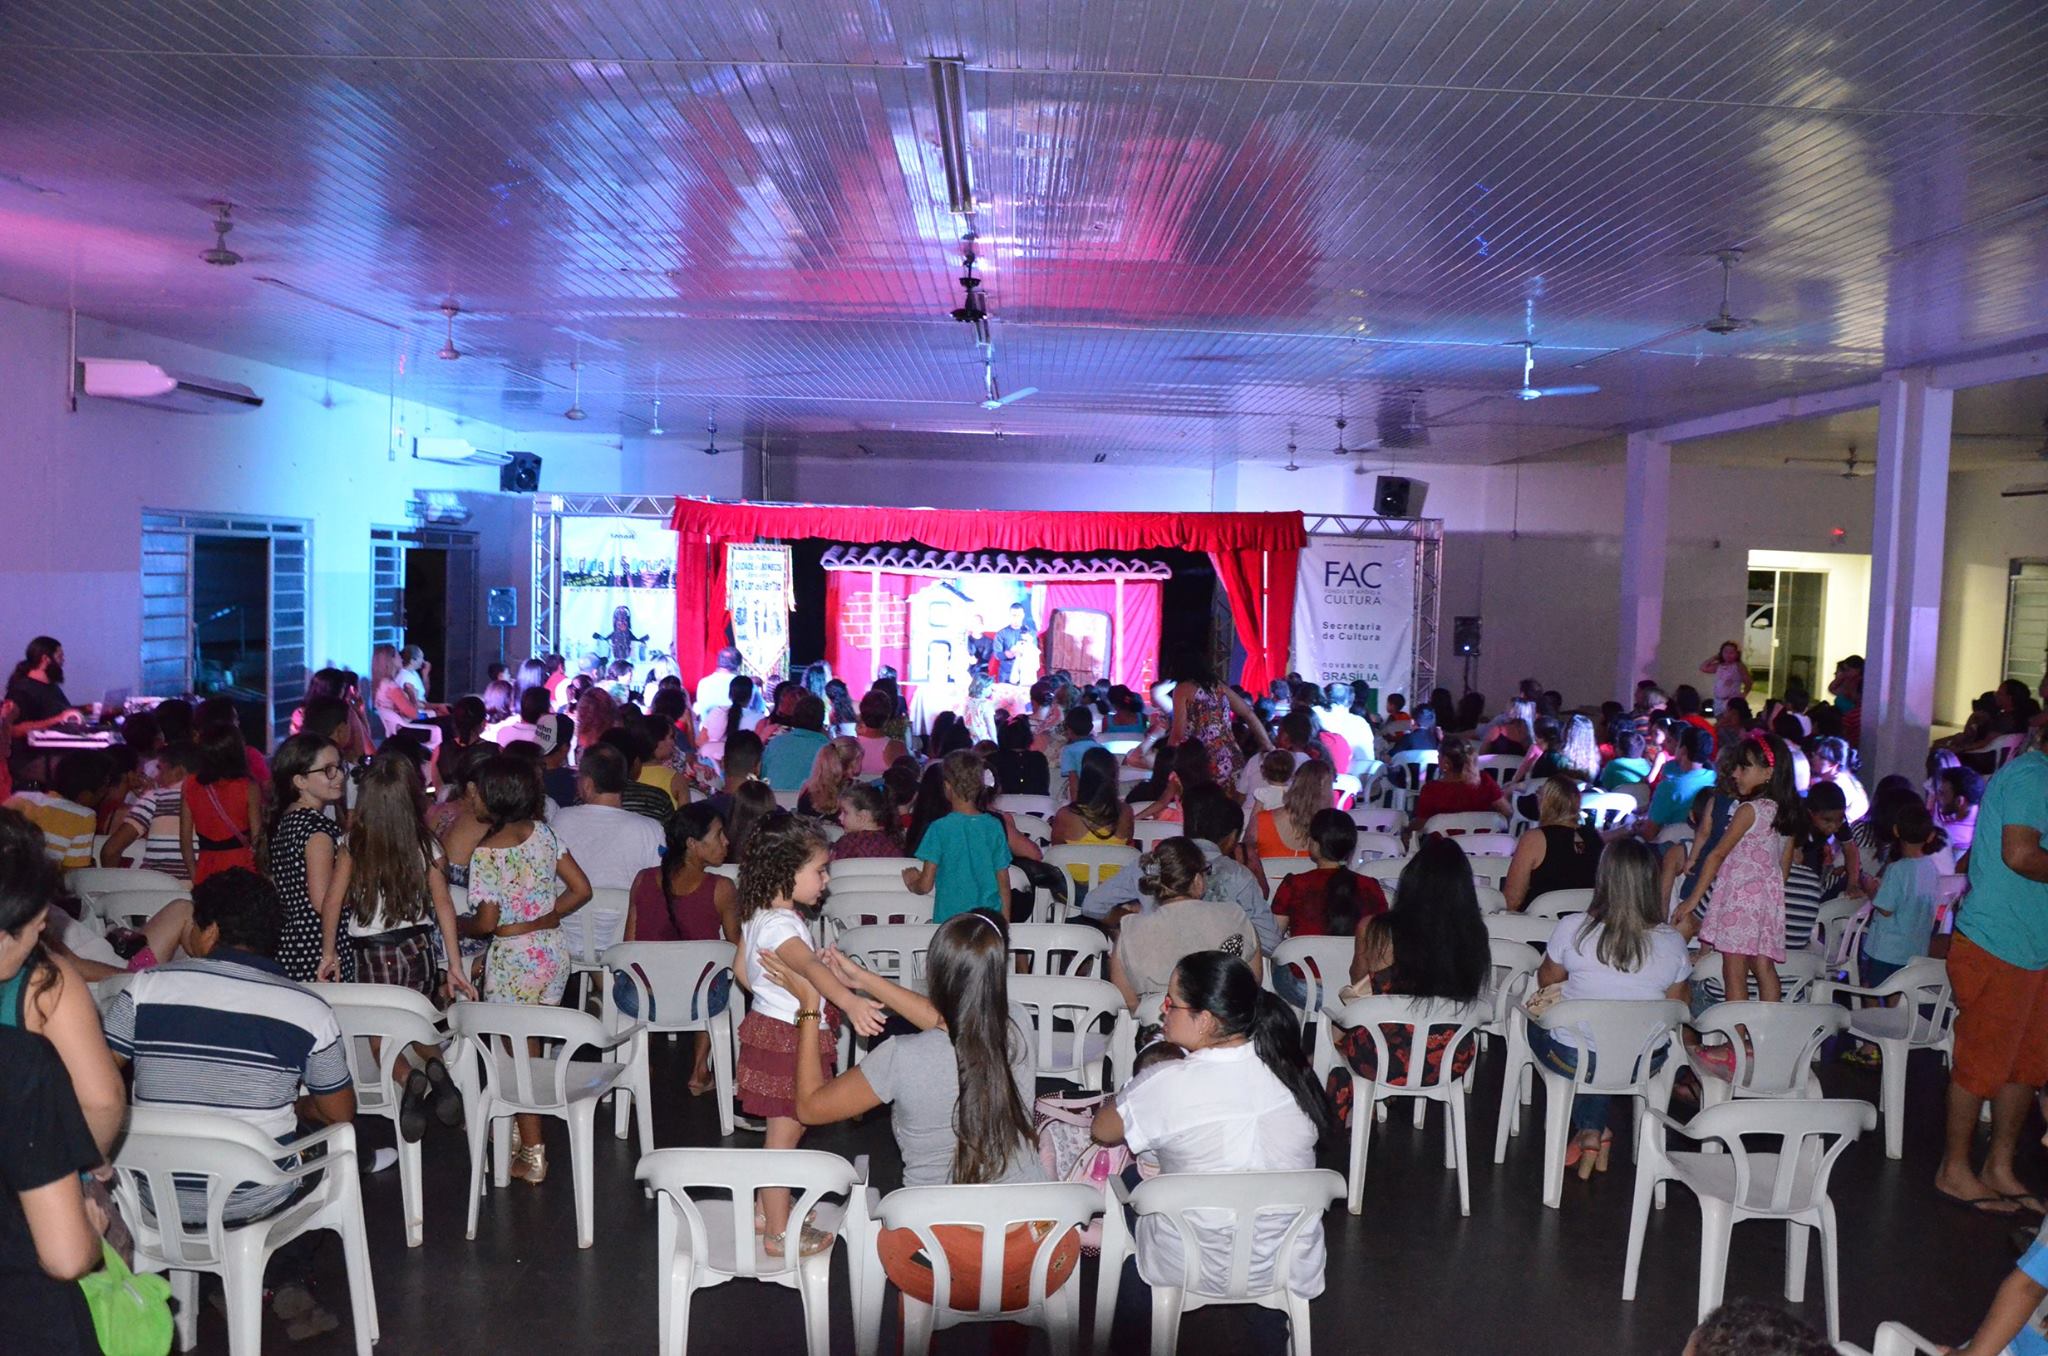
pixel 456 452
pixel 147 384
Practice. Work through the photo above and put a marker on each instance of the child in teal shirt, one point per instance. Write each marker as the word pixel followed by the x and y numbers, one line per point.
pixel 966 853
pixel 1902 913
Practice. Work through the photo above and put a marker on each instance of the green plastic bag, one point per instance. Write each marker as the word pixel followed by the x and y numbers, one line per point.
pixel 131 1314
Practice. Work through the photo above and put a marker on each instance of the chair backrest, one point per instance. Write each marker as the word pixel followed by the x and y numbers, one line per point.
pixel 1796 974
pixel 1093 858
pixel 598 925
pixel 1489 870
pixel 498 1032
pixel 1558 903
pixel 1605 810
pixel 1483 844
pixel 1503 766
pixel 1042 806
pixel 2003 748
pixel 1323 962
pixel 789 800
pixel 671 979
pixel 1146 833
pixel 729 870
pixel 1084 1005
pixel 809 1174
pixel 1424 759
pixel 1035 827
pixel 1490 898
pixel 1278 869
pixel 1811 1135
pixel 1061 948
pixel 1624 1034
pixel 390 1014
pixel 1468 821
pixel 1923 981
pixel 895 951
pixel 1193 1202
pixel 1387 871
pixel 990 1208
pixel 1520 928
pixel 1514 964
pixel 1374 846
pixel 161 1150
pixel 90 882
pixel 133 908
pixel 1830 922
pixel 1773 1043
pixel 1377 819
pixel 1420 1019
pixel 849 873
pixel 845 909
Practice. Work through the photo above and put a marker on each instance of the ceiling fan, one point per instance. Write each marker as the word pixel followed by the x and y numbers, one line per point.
pixel 996 399
pixel 711 447
pixel 1723 321
pixel 1527 343
pixel 1851 467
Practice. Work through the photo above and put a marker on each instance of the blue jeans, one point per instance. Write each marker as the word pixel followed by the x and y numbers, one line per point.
pixel 1873 970
pixel 1589 1109
pixel 1289 983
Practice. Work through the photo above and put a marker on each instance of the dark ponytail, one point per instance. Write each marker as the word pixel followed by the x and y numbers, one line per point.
pixel 1334 838
pixel 1222 986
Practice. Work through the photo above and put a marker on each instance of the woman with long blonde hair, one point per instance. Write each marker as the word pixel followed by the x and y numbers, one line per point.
pixel 819 795
pixel 1287 832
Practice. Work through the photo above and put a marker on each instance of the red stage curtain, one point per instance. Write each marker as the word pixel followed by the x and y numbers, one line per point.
pixel 1255 556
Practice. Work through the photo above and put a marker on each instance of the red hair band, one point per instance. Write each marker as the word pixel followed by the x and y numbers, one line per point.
pixel 1762 742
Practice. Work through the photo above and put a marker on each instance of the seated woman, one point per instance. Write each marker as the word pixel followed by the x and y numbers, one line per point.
pixel 1095 817
pixel 1332 900
pixel 1285 832
pixel 1020 770
pixel 874 716
pixel 1562 854
pixel 1621 948
pixel 1461 788
pixel 1243 1100
pixel 1431 944
pixel 959 1093
pixel 1149 945
pixel 1126 713
pixel 819 795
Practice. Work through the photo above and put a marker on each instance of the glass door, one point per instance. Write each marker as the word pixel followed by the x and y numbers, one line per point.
pixel 1781 636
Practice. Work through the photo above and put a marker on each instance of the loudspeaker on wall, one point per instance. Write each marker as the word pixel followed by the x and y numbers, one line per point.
pixel 521 475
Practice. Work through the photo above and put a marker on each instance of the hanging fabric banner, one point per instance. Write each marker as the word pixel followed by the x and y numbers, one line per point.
pixel 1354 612
pixel 759 594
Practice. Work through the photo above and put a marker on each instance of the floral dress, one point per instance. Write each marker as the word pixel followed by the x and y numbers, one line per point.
pixel 1209 725
pixel 520 880
pixel 1355 1045
pixel 1746 911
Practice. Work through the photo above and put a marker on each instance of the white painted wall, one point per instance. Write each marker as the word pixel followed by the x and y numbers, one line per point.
pixel 1985 534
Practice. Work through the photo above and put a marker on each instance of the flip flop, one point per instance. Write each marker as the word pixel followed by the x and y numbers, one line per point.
pixel 1985 1206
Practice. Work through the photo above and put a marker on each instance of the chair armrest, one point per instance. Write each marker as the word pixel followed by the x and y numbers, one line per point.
pixel 339 1141
pixel 1824 990
pixel 619 1037
pixel 860 1169
pixel 1120 1189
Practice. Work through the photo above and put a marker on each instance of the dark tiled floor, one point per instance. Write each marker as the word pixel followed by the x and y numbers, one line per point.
pixel 1408 1275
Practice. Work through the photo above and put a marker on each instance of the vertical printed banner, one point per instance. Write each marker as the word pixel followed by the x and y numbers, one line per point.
pixel 759 595
pixel 1354 612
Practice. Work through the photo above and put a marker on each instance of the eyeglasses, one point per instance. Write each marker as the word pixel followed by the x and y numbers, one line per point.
pixel 1167 1003
pixel 329 769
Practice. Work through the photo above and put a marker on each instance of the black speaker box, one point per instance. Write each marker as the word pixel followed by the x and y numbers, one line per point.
pixel 1465 637
pixel 1396 497
pixel 521 475
pixel 501 607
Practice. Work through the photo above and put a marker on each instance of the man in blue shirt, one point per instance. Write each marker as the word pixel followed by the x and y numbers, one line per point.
pixel 1689 774
pixel 1998 971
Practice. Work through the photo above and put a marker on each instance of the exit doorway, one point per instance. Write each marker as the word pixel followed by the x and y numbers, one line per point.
pixel 424 593
pixel 1781 634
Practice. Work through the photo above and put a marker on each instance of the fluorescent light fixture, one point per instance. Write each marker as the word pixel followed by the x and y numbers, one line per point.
pixel 948 74
pixel 456 452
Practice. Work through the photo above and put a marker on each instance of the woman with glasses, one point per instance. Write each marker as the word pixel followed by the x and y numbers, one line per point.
pixel 301 845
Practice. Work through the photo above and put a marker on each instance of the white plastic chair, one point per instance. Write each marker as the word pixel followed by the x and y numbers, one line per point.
pixel 1278 869
pixel 696 1241
pixel 672 983
pixel 1554 904
pixel 1324 964
pixel 90 882
pixel 1485 844
pixel 1520 927
pixel 1417 767
pixel 1631 1032
pixel 1035 827
pixel 789 800
pixel 894 951
pixel 1422 1017
pixel 1377 818
pixel 1041 806
pixel 1606 811
pixel 552 1084
pixel 2003 748
pixel 591 931
pixel 1148 833
pixel 1490 898
pixel 397 1017
pixel 1514 974
pixel 1741 1183
pixel 1097 861
pixel 846 910
pixel 160 1145
pixel 1923 1019
pixel 133 908
pixel 1062 948
pixel 1467 823
pixel 1191 1204
pixel 1491 871
pixel 1375 847
pixel 1503 766
pixel 1896 1339
pixel 1773 1045
pixel 1387 871
pixel 1797 974
pixel 1096 1017
pixel 854 872
pixel 990 1209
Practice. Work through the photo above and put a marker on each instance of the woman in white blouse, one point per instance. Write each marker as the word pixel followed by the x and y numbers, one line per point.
pixel 1242 1100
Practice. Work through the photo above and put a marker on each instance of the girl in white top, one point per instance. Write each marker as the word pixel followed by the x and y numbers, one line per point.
pixel 1731 675
pixel 1620 948
pixel 784 869
pixel 1243 1100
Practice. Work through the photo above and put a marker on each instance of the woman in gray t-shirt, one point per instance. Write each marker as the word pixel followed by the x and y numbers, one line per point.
pixel 959 1094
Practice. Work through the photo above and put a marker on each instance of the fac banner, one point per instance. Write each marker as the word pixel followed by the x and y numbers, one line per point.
pixel 1354 612
pixel 759 595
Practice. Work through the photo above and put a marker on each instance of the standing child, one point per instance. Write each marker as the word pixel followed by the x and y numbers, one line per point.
pixel 301 848
pixel 1902 912
pixel 218 808
pixel 785 871
pixel 965 852
pixel 1745 870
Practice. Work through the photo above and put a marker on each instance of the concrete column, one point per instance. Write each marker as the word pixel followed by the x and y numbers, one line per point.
pixel 1645 536
pixel 1908 522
